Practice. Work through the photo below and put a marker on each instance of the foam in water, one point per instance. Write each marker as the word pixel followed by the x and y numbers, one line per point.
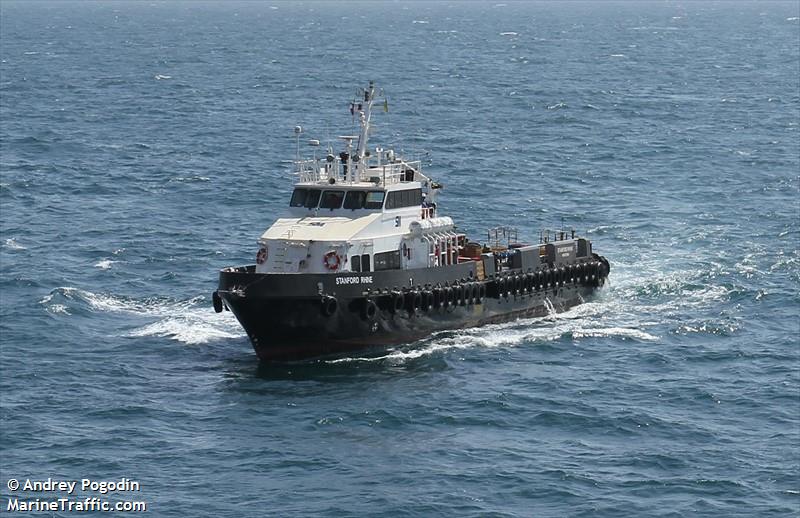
pixel 188 321
pixel 13 245
pixel 641 296
pixel 576 323
pixel 187 329
pixel 104 264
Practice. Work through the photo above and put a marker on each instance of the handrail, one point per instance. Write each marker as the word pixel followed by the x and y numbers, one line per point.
pixel 316 170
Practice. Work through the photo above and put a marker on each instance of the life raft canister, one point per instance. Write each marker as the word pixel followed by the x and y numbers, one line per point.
pixel 331 260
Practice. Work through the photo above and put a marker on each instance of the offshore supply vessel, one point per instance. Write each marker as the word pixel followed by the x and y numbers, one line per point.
pixel 364 258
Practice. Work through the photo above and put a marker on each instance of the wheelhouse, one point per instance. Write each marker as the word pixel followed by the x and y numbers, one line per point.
pixel 337 198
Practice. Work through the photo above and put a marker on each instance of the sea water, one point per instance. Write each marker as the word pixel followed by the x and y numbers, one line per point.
pixel 146 145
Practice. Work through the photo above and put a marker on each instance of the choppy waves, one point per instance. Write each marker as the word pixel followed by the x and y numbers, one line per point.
pixel 131 173
pixel 188 321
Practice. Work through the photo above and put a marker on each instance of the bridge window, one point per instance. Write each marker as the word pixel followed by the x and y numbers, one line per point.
pixel 312 199
pixel 331 200
pixel 407 198
pixel 355 263
pixel 374 200
pixel 298 198
pixel 355 200
pixel 307 198
pixel 365 263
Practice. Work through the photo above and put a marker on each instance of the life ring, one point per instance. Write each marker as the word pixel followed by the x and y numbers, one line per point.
pixel 332 261
pixel 261 256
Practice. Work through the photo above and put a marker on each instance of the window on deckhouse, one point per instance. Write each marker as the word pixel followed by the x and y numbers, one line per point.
pixel 355 200
pixel 407 198
pixel 331 200
pixel 307 198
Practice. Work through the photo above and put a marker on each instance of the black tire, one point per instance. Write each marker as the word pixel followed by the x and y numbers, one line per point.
pixel 397 302
pixel 217 301
pixel 427 300
pixel 329 305
pixel 370 310
pixel 437 298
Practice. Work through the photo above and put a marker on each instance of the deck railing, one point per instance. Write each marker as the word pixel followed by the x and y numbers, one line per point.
pixel 323 170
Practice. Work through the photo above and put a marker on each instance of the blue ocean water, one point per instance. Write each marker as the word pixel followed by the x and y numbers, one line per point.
pixel 146 145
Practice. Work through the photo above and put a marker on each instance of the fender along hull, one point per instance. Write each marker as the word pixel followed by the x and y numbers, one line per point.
pixel 299 316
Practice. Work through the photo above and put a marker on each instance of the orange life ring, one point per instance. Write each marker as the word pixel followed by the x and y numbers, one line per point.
pixel 261 256
pixel 332 261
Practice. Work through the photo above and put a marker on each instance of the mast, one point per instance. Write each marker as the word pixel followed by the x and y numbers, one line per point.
pixel 364 116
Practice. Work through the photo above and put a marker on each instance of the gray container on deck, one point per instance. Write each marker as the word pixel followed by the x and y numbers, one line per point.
pixel 527 257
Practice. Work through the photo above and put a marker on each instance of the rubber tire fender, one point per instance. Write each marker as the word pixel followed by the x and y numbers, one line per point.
pixel 437 298
pixel 427 300
pixel 369 310
pixel 329 305
pixel 397 301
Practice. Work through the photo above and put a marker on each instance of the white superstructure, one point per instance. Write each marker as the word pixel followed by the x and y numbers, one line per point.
pixel 359 211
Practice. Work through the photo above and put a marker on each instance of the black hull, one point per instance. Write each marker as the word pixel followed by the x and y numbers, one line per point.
pixel 296 316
